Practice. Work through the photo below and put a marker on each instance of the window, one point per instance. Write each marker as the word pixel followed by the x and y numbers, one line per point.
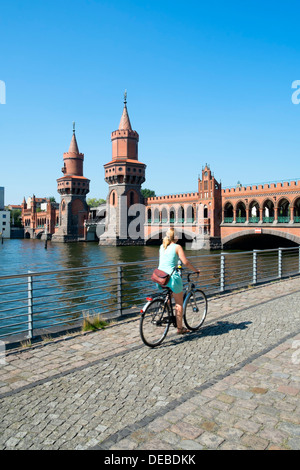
pixel 131 198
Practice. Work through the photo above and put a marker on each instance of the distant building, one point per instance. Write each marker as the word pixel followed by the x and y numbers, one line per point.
pixel 5 224
pixel 38 202
pixel 39 222
pixel 1 198
pixel 4 217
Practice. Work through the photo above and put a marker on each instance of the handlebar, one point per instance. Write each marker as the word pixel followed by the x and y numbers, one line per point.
pixel 180 268
pixel 191 274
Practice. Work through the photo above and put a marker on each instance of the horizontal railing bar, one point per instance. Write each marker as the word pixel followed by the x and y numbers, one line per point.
pixel 57 276
pixel 15 324
pixel 23 299
pixel 13 333
pixel 81 316
pixel 84 280
pixel 66 306
pixel 75 290
pixel 12 309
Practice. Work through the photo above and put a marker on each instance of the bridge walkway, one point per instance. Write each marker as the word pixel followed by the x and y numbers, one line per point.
pixel 235 384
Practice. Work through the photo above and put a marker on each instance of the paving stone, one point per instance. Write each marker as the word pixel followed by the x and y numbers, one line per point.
pixel 233 384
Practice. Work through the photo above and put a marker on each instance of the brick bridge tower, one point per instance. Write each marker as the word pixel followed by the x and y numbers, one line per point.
pixel 73 188
pixel 124 175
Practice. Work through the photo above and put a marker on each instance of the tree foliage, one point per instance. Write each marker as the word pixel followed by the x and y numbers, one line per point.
pixel 94 202
pixel 148 193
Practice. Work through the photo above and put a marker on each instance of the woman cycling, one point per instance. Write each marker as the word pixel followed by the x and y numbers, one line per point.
pixel 169 255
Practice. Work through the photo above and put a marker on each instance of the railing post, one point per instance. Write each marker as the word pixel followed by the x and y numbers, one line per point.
pixel 222 272
pixel 119 290
pixel 279 263
pixel 30 306
pixel 254 269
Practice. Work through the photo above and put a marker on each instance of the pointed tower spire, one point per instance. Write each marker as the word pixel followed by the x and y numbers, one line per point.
pixel 125 121
pixel 73 145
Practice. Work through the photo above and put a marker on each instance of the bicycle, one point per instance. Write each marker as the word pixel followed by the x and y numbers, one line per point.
pixel 157 314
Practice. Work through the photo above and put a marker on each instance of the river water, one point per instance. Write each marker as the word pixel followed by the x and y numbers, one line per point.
pixel 21 256
pixel 81 290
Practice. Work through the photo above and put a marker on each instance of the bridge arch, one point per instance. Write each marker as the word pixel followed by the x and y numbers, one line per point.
pixel 184 235
pixel 279 237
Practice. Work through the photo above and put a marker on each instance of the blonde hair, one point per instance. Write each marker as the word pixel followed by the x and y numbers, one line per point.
pixel 169 238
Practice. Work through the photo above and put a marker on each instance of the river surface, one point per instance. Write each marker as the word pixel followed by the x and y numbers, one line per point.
pixel 58 298
pixel 21 256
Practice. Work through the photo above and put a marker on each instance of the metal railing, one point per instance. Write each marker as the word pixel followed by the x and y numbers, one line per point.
pixel 36 303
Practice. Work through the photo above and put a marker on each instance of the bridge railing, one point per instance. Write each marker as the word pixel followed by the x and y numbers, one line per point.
pixel 39 303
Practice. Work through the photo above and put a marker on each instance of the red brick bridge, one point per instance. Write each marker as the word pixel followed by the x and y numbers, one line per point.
pixel 224 218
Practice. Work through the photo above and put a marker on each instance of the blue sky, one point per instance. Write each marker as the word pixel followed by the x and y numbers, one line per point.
pixel 207 82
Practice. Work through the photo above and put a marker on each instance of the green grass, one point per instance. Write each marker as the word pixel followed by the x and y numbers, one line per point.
pixel 93 323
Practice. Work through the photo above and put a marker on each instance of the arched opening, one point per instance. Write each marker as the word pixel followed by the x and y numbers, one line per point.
pixel 254 212
pixel 172 216
pixel 190 216
pixel 156 216
pixel 113 198
pixel 164 216
pixel 297 211
pixel 268 212
pixel 131 198
pixel 180 217
pixel 253 241
pixel 149 216
pixel 283 211
pixel 240 212
pixel 228 213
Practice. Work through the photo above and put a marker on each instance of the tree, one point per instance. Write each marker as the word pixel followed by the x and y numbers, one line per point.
pixel 148 193
pixel 16 218
pixel 94 202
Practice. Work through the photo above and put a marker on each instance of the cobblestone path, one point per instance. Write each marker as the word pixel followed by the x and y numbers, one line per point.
pixel 233 384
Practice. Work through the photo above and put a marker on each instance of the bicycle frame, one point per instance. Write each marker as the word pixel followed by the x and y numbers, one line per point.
pixel 167 298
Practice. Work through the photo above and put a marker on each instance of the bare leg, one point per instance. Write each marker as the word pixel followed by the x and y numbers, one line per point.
pixel 179 309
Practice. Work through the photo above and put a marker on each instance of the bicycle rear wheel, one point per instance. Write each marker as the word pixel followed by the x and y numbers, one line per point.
pixel 154 323
pixel 195 309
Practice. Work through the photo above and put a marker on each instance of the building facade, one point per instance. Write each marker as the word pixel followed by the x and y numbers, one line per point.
pixel 1 198
pixel 4 217
pixel 39 220
pixel 5 224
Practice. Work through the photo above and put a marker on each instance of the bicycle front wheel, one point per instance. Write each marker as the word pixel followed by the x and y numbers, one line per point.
pixel 195 309
pixel 154 323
